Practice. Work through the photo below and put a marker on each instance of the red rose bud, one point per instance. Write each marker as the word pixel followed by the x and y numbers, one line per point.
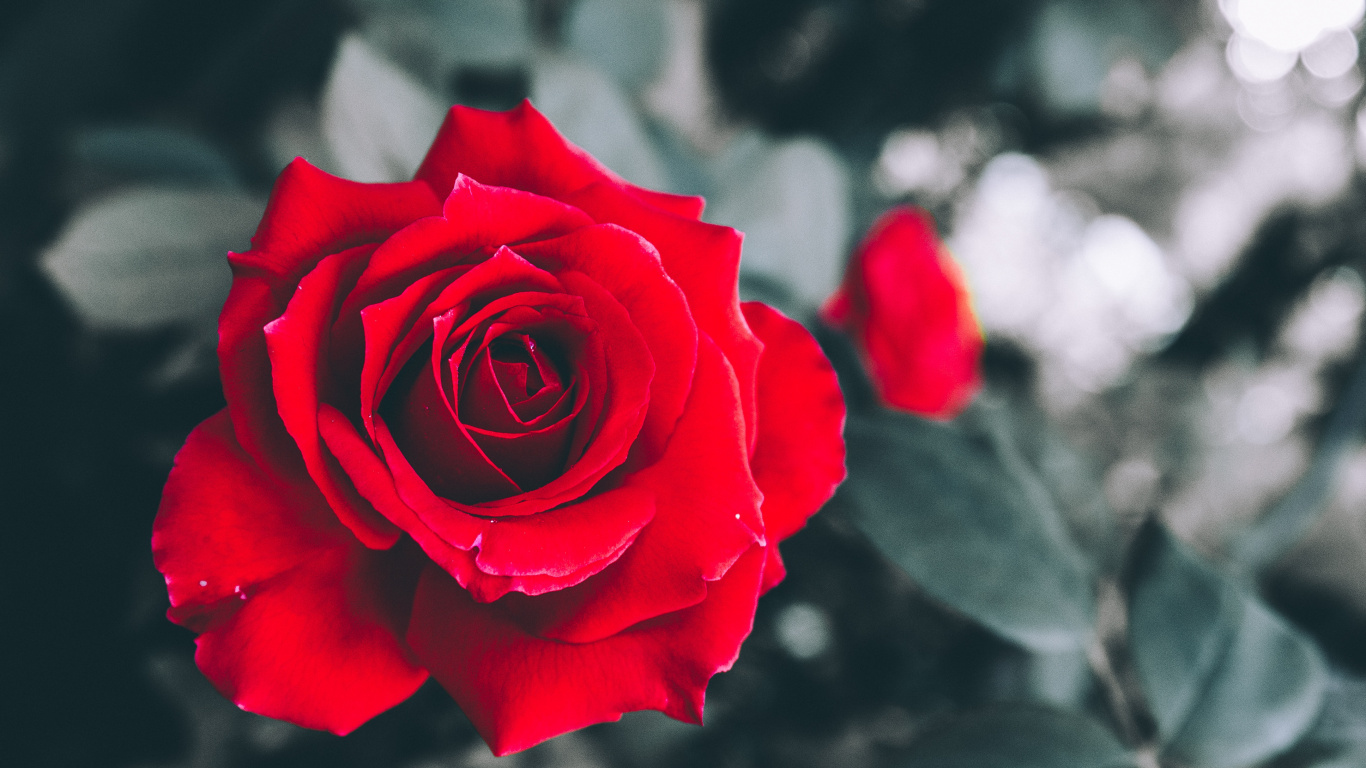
pixel 506 425
pixel 905 305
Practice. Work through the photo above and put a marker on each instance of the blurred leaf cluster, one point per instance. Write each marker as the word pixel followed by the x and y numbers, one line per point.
pixel 1144 544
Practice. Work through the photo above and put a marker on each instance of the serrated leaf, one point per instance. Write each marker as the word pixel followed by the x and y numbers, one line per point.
pixel 627 39
pixel 149 257
pixel 1019 738
pixel 1229 682
pixel 946 511
pixel 791 199
pixel 377 119
pixel 592 112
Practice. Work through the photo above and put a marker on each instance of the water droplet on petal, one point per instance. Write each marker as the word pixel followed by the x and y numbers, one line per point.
pixel 203 583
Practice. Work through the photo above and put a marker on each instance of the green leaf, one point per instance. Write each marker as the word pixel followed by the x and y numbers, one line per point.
pixel 1019 738
pixel 150 257
pixel 1181 620
pixel 948 512
pixel 1228 681
pixel 377 119
pixel 791 199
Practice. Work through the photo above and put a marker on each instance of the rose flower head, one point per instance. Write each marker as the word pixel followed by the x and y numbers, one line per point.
pixel 905 305
pixel 505 425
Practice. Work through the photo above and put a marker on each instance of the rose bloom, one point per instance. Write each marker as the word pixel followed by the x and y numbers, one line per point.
pixel 905 305
pixel 506 425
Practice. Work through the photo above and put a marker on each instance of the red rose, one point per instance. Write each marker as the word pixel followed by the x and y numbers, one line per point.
pixel 906 306
pixel 506 425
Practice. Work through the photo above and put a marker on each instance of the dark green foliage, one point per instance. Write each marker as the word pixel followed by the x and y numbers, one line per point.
pixel 1228 682
pixel 1019 738
pixel 947 510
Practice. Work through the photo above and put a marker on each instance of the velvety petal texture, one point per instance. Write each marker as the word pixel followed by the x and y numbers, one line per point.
pixel 298 619
pixel 507 425
pixel 905 304
pixel 795 464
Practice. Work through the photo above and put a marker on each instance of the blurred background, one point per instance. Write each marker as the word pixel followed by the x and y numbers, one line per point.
pixel 1159 207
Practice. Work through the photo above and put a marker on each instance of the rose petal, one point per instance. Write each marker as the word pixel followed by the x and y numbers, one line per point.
pixel 774 570
pixel 518 148
pixel 485 402
pixel 475 218
pixel 296 343
pixel 533 554
pixel 687 206
pixel 615 420
pixel 906 305
pixel 564 541
pixel 311 214
pixel 299 620
pixel 707 515
pixel 395 328
pixel 627 267
pixel 375 481
pixel 519 690
pixel 442 452
pixel 521 149
pixel 532 459
pixel 703 260
pixel 798 459
pixel 415 492
pixel 541 454
pixel 393 331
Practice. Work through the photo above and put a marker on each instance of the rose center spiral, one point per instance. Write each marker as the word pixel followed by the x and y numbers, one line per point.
pixel 481 421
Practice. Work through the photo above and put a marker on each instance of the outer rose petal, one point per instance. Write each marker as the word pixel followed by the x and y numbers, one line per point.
pixel 798 459
pixel 520 690
pixel 906 305
pixel 473 217
pixel 299 621
pixel 297 345
pixel 704 260
pixel 311 214
pixel 521 149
